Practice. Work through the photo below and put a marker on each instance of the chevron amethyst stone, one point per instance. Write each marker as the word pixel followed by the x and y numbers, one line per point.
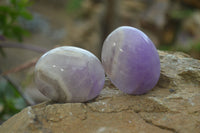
pixel 69 74
pixel 131 60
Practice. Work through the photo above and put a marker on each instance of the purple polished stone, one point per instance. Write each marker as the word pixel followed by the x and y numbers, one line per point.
pixel 69 74
pixel 131 60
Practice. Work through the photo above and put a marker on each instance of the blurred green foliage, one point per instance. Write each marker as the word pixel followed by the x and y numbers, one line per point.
pixel 73 5
pixel 165 47
pixel 10 100
pixel 192 47
pixel 180 14
pixel 9 14
pixel 196 46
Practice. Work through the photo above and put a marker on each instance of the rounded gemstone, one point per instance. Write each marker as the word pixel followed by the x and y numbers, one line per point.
pixel 131 60
pixel 69 74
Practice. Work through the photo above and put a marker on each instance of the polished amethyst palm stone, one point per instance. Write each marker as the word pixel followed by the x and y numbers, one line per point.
pixel 69 74
pixel 131 60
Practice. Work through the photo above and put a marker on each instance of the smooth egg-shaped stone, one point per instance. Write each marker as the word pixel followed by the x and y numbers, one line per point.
pixel 131 60
pixel 69 74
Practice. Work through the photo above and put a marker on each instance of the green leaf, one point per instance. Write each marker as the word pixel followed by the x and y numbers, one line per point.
pixel 2 21
pixel 26 15
pixel 4 9
pixel 10 99
pixel 73 5
pixel 9 14
pixel 180 14
pixel 23 3
pixel 19 103
pixel 196 46
pixel 13 2
pixel 3 85
pixel 17 32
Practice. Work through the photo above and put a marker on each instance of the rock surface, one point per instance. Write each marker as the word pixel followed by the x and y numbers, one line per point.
pixel 172 106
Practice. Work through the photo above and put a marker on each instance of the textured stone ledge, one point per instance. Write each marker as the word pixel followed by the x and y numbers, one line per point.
pixel 172 106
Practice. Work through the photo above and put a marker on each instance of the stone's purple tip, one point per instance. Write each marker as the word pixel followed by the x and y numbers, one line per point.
pixel 69 74
pixel 131 60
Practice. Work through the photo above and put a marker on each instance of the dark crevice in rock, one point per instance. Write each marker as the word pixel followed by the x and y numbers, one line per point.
pixel 37 124
pixel 160 126
pixel 84 107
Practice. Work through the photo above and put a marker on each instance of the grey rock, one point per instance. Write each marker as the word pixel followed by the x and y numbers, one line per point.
pixel 37 25
pixel 156 14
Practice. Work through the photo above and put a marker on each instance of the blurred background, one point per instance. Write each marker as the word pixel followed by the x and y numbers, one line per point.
pixel 28 28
